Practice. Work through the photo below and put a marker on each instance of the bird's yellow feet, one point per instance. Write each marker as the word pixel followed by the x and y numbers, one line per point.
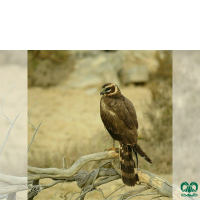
pixel 113 149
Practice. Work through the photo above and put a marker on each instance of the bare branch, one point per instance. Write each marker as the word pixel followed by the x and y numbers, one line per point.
pixel 59 188
pixel 99 190
pixel 91 187
pixel 36 129
pixel 11 122
pixel 76 166
pixel 145 194
pixel 157 197
pixel 132 192
pixel 64 162
pixel 12 188
pixel 86 181
pixel 52 184
pixel 13 179
pixel 29 115
pixel 97 173
pixel 71 195
pixel 33 176
pixel 161 185
pixel 115 191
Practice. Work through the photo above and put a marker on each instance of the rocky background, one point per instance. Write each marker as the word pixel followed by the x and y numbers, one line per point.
pixel 90 69
pixel 67 85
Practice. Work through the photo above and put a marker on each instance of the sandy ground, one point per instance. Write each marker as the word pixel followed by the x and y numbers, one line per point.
pixel 66 114
pixel 13 160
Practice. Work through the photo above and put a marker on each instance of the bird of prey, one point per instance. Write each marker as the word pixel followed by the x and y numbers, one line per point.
pixel 119 117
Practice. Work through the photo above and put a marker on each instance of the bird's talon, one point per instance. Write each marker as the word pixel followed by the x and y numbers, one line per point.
pixel 113 149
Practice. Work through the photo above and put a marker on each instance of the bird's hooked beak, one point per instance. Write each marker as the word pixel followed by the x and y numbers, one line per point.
pixel 103 91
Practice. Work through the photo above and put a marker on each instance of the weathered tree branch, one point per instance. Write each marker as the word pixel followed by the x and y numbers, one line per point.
pixel 11 122
pixel 36 129
pixel 12 188
pixel 75 167
pixel 132 192
pixel 86 181
pixel 154 181
pixel 13 179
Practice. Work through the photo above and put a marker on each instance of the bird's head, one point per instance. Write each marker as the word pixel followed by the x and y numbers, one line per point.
pixel 110 89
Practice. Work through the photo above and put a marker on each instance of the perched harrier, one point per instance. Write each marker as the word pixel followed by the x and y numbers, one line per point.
pixel 119 117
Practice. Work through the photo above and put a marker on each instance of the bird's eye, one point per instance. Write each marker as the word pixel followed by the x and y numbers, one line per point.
pixel 108 89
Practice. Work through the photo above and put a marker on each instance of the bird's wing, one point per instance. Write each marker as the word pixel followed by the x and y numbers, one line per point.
pixel 118 121
pixel 131 110
pixel 125 111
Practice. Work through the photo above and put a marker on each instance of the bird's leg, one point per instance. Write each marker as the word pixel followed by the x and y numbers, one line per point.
pixel 113 148
pixel 113 143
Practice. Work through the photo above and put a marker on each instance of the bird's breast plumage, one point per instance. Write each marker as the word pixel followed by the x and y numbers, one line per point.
pixel 112 116
pixel 106 107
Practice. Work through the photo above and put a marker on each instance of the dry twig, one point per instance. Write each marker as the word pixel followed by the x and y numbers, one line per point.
pixel 36 129
pixel 11 122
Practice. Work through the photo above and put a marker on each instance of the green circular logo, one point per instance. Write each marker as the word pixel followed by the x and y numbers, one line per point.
pixel 192 187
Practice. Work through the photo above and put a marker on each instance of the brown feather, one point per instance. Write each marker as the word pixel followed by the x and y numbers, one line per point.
pixel 127 166
pixel 131 110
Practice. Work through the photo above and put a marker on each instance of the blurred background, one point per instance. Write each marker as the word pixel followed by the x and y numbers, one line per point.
pixel 186 115
pixel 13 71
pixel 67 85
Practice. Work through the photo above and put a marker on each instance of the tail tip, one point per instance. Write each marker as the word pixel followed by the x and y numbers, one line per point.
pixel 148 159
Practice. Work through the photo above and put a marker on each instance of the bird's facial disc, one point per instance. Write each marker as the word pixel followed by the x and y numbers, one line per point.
pixel 109 89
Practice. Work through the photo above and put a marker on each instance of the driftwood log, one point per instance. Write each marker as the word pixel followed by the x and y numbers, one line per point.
pixel 88 181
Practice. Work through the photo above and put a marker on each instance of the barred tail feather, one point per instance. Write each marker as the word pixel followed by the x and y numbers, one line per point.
pixel 138 149
pixel 127 165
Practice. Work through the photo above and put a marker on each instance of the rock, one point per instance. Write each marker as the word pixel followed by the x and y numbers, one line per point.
pixel 136 58
pixel 84 69
pixel 84 80
pixel 96 70
pixel 138 74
